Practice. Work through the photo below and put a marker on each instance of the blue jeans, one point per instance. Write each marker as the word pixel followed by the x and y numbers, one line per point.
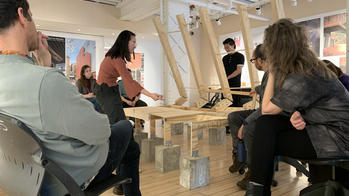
pixel 123 154
pixel 96 105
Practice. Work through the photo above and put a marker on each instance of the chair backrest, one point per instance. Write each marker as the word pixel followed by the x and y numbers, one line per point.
pixel 21 172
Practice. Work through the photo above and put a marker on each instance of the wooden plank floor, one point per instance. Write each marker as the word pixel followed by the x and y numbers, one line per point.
pixel 222 183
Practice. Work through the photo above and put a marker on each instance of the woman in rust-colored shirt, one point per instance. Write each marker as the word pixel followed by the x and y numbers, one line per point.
pixel 112 67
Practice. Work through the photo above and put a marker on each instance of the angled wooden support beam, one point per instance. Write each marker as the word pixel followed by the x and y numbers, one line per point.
pixel 194 62
pixel 278 9
pixel 248 42
pixel 217 58
pixel 259 3
pixel 171 60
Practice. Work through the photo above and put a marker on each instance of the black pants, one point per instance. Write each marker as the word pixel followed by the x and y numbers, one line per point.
pixel 139 103
pixel 110 101
pixel 275 135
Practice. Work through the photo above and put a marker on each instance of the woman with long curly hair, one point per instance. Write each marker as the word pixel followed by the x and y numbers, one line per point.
pixel 315 106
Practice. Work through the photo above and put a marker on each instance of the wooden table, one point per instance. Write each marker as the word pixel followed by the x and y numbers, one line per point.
pixel 198 119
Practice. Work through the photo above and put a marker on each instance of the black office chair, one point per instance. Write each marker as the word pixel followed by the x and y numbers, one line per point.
pixel 23 164
pixel 331 187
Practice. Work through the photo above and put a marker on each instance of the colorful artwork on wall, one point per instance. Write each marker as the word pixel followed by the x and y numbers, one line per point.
pixel 79 52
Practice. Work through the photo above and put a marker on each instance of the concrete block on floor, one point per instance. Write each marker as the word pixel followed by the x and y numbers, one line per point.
pixel 167 158
pixel 217 136
pixel 194 172
pixel 139 136
pixel 148 149
pixel 177 129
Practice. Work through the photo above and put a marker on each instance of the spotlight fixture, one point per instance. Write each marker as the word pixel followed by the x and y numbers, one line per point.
pixel 218 21
pixel 259 10
pixel 294 2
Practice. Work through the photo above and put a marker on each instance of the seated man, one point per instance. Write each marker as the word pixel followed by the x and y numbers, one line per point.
pixel 74 135
pixel 126 101
pixel 243 122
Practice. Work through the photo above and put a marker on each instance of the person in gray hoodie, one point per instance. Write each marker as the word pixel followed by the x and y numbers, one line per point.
pixel 74 135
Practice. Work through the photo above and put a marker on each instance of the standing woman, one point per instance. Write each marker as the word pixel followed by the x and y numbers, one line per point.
pixel 112 67
pixel 315 104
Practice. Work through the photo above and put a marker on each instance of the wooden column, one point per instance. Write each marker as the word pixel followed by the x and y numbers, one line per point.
pixel 171 60
pixel 152 129
pixel 167 133
pixel 194 62
pixel 248 42
pixel 278 9
pixel 207 25
pixel 194 140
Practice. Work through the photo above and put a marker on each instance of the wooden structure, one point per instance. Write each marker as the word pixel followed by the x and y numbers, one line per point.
pixel 194 61
pixel 207 25
pixel 171 60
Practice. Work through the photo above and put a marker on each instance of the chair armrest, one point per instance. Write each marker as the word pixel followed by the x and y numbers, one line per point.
pixel 295 163
pixel 68 182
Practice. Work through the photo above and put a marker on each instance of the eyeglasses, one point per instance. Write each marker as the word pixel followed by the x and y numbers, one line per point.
pixel 251 60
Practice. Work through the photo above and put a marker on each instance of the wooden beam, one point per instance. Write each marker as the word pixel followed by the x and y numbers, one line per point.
pixel 207 25
pixel 194 140
pixel 259 3
pixel 194 62
pixel 167 133
pixel 170 57
pixel 278 9
pixel 231 92
pixel 248 42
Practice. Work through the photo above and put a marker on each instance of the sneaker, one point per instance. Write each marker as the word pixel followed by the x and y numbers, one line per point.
pixel 244 182
pixel 236 164
pixel 118 190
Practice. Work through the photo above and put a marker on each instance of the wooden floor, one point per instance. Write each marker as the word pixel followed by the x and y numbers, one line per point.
pixel 222 183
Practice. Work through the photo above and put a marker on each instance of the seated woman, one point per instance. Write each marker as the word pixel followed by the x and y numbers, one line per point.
pixel 340 75
pixel 86 85
pixel 317 104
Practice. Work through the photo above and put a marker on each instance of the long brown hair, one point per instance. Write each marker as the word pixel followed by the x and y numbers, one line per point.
pixel 336 70
pixel 83 79
pixel 287 50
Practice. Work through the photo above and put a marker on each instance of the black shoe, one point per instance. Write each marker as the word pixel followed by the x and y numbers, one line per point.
pixel 237 165
pixel 118 190
pixel 244 182
pixel 257 190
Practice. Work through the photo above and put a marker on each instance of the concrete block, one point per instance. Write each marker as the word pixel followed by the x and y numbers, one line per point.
pixel 177 129
pixel 194 172
pixel 217 136
pixel 139 136
pixel 148 149
pixel 167 158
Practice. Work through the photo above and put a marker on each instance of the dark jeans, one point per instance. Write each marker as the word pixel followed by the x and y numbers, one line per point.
pixel 123 154
pixel 96 105
pixel 275 135
pixel 235 120
pixel 110 101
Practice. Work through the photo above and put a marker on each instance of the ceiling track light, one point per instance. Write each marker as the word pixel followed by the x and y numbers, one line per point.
pixel 259 10
pixel 218 21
